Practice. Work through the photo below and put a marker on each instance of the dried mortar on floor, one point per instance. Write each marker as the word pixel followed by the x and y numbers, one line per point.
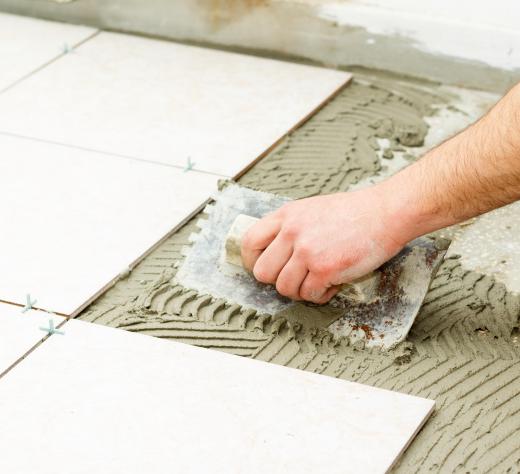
pixel 463 350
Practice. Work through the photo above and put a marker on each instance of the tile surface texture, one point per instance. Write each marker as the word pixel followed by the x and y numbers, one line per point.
pixel 20 331
pixel 26 44
pixel 76 219
pixel 167 102
pixel 143 404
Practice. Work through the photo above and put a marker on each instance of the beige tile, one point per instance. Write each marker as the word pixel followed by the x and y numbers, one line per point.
pixel 27 44
pixel 20 330
pixel 167 102
pixel 73 219
pixel 105 400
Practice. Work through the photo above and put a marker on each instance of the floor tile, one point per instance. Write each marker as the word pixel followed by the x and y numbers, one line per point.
pixel 167 102
pixel 27 44
pixel 20 330
pixel 136 403
pixel 73 219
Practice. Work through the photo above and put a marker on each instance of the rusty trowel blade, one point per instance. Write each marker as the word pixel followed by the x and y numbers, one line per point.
pixel 403 283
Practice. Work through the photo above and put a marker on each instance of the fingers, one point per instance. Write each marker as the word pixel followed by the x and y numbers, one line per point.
pixel 291 278
pixel 332 291
pixel 257 239
pixel 317 289
pixel 272 260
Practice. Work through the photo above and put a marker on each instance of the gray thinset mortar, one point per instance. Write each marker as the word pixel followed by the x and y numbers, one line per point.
pixel 463 350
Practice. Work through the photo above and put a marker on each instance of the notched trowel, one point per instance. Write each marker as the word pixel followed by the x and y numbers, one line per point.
pixel 382 306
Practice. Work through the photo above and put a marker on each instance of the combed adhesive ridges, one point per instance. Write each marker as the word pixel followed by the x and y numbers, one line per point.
pixel 463 351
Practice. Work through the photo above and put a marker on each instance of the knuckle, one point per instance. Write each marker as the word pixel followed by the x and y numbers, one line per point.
pixel 290 231
pixel 352 256
pixel 304 294
pixel 286 209
pixel 283 288
pixel 323 267
pixel 305 251
pixel 262 275
pixel 348 261
pixel 248 242
pixel 311 294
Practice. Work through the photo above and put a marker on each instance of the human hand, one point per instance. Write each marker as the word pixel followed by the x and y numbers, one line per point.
pixel 309 247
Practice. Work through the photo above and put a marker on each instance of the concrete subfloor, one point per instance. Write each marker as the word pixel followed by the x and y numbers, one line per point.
pixel 463 350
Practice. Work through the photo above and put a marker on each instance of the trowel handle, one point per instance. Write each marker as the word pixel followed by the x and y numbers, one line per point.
pixel 233 246
pixel 363 290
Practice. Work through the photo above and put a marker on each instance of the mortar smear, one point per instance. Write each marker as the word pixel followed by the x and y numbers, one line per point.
pixel 463 350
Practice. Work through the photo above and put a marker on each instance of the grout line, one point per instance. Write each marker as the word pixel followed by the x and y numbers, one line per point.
pixel 35 308
pixel 190 165
pixel 108 153
pixel 91 150
pixel 139 259
pixel 31 350
pixel 131 267
pixel 295 127
pixel 48 63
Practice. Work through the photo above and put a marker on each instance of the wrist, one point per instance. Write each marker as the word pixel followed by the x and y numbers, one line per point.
pixel 409 208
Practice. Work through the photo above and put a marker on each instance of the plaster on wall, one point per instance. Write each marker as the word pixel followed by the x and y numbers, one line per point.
pixel 458 47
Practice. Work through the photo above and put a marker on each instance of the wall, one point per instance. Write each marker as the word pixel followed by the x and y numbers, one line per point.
pixel 461 43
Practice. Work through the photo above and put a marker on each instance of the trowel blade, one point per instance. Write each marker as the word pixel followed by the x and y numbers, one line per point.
pixel 383 321
pixel 204 268
pixel 403 283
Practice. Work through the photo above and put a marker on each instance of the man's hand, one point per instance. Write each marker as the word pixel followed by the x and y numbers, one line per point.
pixel 311 246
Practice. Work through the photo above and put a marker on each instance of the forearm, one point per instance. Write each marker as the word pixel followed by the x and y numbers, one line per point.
pixel 474 172
pixel 309 247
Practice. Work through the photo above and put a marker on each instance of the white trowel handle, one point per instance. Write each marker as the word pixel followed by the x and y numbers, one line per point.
pixel 363 289
pixel 236 233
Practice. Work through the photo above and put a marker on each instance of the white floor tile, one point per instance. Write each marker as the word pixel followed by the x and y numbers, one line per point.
pixel 73 219
pixel 20 330
pixel 165 102
pixel 105 400
pixel 27 44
